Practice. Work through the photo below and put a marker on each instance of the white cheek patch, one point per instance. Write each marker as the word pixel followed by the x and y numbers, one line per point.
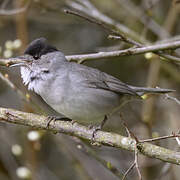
pixel 34 84
pixel 25 75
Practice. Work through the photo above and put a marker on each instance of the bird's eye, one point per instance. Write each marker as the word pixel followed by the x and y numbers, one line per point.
pixel 36 57
pixel 46 71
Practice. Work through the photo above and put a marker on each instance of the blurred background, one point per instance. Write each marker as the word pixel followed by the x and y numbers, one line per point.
pixel 30 154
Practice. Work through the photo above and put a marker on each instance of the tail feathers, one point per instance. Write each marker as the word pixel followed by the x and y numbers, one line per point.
pixel 143 90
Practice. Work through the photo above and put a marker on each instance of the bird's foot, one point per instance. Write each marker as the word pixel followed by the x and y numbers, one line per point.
pixel 56 118
pixel 94 129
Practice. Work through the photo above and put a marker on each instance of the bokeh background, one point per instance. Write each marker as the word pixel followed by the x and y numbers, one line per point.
pixel 42 155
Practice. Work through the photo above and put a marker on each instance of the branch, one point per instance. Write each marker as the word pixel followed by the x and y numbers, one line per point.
pixel 95 16
pixel 90 10
pixel 172 98
pixel 127 52
pixel 85 6
pixel 10 61
pixel 75 129
pixel 100 55
pixel 107 28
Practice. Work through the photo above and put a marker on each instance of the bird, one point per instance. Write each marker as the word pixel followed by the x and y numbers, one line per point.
pixel 81 93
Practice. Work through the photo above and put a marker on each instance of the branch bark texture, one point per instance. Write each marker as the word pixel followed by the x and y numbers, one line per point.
pixel 105 138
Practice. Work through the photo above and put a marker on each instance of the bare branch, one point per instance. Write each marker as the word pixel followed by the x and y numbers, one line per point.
pixel 173 98
pixel 105 138
pixel 129 169
pixel 160 138
pixel 10 61
pixel 126 52
pixel 88 9
pixel 107 28
pixel 136 163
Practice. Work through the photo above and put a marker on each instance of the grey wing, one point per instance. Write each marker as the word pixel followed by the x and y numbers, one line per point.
pixel 93 78
pixel 117 86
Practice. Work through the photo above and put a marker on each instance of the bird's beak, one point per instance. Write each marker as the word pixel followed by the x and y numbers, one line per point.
pixel 18 64
pixel 23 60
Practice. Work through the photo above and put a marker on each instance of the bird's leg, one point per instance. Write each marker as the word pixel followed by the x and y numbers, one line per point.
pixel 103 122
pixel 98 127
pixel 56 118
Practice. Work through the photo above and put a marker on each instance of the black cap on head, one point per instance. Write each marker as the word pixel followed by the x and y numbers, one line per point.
pixel 39 47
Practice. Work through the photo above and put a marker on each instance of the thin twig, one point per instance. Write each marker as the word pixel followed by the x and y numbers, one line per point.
pixel 136 162
pixel 106 27
pixel 68 11
pixel 173 98
pixel 129 169
pixel 125 39
pixel 90 10
pixel 160 138
pixel 130 133
pixel 135 153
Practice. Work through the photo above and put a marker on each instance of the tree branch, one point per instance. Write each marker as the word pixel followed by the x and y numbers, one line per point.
pixel 126 52
pixel 105 138
pixel 85 6
pixel 104 26
pixel 172 98
pixel 10 61
pixel 90 10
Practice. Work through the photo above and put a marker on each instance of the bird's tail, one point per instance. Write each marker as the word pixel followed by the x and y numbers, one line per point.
pixel 143 90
